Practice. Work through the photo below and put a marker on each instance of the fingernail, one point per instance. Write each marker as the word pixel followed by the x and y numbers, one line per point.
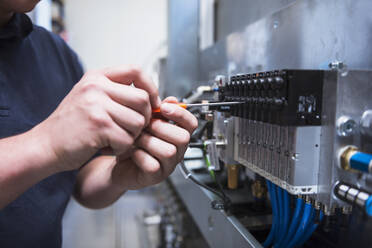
pixel 167 108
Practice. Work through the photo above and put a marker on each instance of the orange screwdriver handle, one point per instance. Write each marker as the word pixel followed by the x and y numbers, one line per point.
pixel 182 105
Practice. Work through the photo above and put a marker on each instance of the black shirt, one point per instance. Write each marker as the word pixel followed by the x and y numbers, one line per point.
pixel 37 70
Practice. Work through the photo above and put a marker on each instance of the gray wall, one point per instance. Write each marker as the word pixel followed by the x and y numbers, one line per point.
pixel 114 32
pixel 233 15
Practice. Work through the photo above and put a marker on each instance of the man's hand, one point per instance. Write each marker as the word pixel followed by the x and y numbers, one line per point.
pixel 103 111
pixel 158 149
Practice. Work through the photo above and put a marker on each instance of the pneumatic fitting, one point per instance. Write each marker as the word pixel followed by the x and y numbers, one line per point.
pixel 351 159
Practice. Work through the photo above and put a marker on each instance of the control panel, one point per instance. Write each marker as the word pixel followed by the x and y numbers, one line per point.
pixel 306 131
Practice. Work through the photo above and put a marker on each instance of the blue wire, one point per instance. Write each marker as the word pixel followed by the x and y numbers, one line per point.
pixel 310 230
pixel 303 225
pixel 276 210
pixel 270 237
pixel 294 223
pixel 280 214
pixel 286 219
pixel 308 227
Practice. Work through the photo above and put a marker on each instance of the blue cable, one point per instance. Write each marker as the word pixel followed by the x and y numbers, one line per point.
pixel 303 225
pixel 280 214
pixel 310 230
pixel 294 222
pixel 276 210
pixel 368 205
pixel 270 237
pixel 286 219
pixel 309 225
pixel 287 214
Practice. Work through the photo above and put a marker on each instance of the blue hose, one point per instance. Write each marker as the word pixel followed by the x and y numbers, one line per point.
pixel 309 225
pixel 276 210
pixel 286 211
pixel 280 229
pixel 303 225
pixel 294 222
pixel 286 219
pixel 270 237
pixel 310 230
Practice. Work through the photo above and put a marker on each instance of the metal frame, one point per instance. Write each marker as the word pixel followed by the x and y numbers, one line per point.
pixel 219 229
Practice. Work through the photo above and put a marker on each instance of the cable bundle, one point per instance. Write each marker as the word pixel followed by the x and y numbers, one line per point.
pixel 287 231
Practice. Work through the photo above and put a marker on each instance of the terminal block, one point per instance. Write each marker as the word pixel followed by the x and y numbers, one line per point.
pixel 281 97
pixel 278 126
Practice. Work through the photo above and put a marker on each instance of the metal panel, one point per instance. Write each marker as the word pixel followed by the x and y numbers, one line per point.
pixel 350 96
pixel 233 15
pixel 182 63
pixel 219 229
pixel 309 34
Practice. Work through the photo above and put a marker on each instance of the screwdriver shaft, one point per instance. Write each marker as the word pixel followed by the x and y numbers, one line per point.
pixel 185 105
pixel 212 104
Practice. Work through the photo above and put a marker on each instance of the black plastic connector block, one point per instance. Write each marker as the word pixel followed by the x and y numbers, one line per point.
pixel 282 97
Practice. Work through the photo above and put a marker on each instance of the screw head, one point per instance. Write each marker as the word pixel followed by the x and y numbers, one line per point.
pixel 345 126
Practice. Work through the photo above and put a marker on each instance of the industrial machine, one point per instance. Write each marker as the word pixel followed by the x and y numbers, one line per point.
pixel 291 164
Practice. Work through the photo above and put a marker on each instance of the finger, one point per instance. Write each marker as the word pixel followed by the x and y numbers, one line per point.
pixel 127 118
pixel 129 75
pixel 131 97
pixel 168 132
pixel 171 99
pixel 164 152
pixel 150 167
pixel 117 138
pixel 180 116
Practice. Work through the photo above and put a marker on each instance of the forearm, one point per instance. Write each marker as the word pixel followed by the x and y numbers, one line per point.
pixel 98 184
pixel 25 160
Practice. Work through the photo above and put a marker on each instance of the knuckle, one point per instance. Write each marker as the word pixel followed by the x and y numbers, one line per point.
pixel 194 123
pixel 184 138
pixel 89 86
pixel 142 98
pixel 128 140
pixel 91 101
pixel 153 167
pixel 170 152
pixel 99 120
pixel 140 121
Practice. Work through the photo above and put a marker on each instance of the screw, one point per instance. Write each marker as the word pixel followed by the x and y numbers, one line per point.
pixel 345 126
pixel 339 66
pixel 336 65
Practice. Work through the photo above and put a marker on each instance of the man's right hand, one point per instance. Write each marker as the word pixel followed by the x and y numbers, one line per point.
pixel 102 111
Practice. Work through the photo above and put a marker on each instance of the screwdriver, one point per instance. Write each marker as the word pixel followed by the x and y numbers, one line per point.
pixel 189 105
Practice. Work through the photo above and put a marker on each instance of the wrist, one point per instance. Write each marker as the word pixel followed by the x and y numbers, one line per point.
pixel 40 150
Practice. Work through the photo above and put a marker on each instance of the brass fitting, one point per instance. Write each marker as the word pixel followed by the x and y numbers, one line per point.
pixel 232 176
pixel 258 189
pixel 345 155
